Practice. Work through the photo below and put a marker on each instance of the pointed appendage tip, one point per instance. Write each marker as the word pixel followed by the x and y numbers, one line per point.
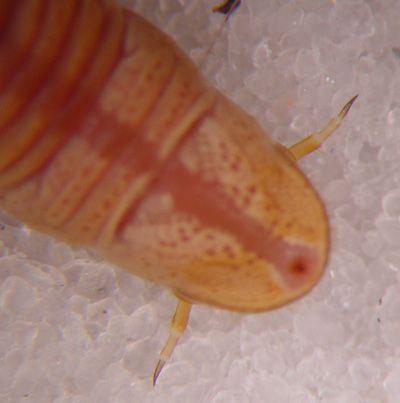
pixel 347 107
pixel 159 367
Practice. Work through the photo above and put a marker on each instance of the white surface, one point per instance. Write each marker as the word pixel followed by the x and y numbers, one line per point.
pixel 74 329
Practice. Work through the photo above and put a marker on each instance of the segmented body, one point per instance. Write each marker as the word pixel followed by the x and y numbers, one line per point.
pixel 110 138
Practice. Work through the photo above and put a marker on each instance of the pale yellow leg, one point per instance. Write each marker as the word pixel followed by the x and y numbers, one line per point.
pixel 312 142
pixel 177 327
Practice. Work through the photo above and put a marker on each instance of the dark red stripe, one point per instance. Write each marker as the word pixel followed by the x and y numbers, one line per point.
pixel 214 209
pixel 10 52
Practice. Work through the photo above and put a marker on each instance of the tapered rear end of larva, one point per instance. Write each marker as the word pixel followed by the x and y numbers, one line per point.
pixel 231 219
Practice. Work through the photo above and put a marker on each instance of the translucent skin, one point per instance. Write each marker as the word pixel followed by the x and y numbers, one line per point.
pixel 110 138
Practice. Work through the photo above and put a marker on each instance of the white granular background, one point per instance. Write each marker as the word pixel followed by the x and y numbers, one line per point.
pixel 75 329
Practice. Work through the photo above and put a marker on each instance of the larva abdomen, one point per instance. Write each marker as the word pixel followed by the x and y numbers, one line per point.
pixel 111 138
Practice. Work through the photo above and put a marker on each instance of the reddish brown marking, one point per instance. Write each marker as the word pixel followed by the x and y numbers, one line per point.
pixel 298 267
pixel 217 211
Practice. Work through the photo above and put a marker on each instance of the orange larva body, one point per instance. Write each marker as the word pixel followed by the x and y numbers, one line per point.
pixel 110 138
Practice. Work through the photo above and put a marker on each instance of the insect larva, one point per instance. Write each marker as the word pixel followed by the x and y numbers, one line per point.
pixel 110 138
